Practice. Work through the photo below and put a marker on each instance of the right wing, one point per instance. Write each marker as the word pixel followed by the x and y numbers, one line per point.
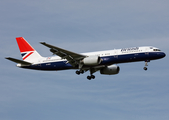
pixel 73 58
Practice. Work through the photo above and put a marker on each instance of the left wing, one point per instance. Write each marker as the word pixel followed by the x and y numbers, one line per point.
pixel 73 58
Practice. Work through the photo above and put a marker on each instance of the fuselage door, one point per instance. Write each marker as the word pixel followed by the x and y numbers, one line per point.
pixel 115 54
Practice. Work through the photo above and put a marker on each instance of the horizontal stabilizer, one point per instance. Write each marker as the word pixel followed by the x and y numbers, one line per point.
pixel 18 61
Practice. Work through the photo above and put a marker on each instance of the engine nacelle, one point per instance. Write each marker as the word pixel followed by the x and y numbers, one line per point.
pixel 110 70
pixel 91 60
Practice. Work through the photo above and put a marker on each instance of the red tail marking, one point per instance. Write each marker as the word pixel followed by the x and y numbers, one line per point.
pixel 27 55
pixel 24 46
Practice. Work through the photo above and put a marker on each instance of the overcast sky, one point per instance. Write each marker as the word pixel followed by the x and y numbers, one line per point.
pixel 84 26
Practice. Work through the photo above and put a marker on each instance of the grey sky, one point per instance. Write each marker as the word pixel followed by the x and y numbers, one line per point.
pixel 83 26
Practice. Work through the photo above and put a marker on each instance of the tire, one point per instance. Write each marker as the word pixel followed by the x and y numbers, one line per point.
pixel 145 68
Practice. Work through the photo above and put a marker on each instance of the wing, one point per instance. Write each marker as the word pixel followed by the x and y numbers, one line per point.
pixel 73 58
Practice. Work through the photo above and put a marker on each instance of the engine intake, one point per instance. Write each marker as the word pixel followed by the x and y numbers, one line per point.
pixel 91 60
pixel 110 70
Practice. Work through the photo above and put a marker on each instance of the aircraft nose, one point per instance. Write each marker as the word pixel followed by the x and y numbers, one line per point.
pixel 162 54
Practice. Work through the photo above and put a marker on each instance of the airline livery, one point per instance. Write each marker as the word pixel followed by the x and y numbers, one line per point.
pixel 103 61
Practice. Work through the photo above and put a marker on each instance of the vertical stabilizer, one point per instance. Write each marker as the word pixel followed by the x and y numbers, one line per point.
pixel 28 53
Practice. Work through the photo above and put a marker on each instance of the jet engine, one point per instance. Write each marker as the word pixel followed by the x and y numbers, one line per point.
pixel 110 70
pixel 91 60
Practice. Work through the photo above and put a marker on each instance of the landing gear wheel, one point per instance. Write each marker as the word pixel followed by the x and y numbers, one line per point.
pixel 92 76
pixel 82 71
pixel 89 77
pixel 78 72
pixel 145 68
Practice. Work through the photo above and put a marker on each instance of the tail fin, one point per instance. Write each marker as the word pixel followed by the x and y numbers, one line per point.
pixel 28 53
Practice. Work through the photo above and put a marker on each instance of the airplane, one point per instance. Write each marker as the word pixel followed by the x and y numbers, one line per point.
pixel 103 61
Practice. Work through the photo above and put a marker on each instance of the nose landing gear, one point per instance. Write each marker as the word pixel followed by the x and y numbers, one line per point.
pixel 145 68
pixel 146 64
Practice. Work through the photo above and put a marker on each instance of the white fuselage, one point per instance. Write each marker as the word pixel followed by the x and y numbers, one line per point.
pixel 106 53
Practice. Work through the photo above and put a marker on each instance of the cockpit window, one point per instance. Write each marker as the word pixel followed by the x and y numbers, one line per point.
pixel 156 50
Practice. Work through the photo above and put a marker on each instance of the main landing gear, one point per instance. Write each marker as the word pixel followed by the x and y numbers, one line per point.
pixel 91 74
pixel 79 72
pixel 146 64
pixel 88 77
